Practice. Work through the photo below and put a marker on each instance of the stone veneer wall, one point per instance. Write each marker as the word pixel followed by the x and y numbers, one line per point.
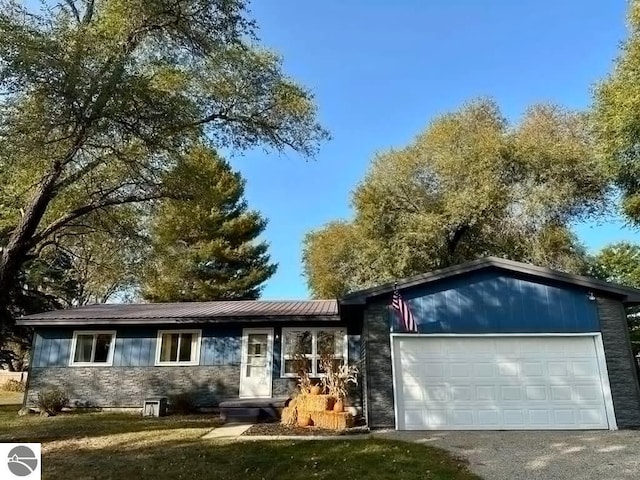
pixel 621 365
pixel 378 367
pixel 284 387
pixel 129 386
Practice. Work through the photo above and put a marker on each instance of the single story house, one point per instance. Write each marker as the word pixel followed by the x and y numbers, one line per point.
pixel 499 345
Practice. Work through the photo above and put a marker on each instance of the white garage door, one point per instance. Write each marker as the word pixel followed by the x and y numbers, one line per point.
pixel 496 383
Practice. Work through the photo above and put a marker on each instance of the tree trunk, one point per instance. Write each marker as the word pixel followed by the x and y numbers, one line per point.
pixel 20 240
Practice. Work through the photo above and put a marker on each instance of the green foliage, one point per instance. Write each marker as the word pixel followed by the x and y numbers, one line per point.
pixel 13 386
pixel 470 185
pixel 99 102
pixel 205 247
pixel 330 257
pixel 616 120
pixel 620 263
pixel 52 400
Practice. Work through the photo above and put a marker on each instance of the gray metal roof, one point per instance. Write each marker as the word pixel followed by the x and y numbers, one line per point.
pixel 630 296
pixel 221 311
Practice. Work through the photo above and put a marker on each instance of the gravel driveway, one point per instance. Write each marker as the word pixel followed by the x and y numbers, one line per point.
pixel 601 455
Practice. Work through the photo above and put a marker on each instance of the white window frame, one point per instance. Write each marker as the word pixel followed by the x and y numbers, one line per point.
pixel 195 348
pixel 314 348
pixel 95 333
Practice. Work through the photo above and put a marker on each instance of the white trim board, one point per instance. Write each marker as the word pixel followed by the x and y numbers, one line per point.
pixel 196 341
pixel 95 333
pixel 314 347
pixel 606 385
pixel 243 360
pixel 429 335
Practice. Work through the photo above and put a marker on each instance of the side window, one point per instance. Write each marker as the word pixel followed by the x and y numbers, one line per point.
pixel 92 348
pixel 178 347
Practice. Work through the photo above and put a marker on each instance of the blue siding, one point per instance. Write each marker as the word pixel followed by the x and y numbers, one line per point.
pixel 52 347
pixel 354 348
pixel 136 346
pixel 493 302
pixel 221 346
pixel 277 352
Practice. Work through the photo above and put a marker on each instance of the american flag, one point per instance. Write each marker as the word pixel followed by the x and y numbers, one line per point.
pixel 406 317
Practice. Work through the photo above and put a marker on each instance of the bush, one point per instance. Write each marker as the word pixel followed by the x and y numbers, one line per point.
pixel 181 404
pixel 13 386
pixel 52 400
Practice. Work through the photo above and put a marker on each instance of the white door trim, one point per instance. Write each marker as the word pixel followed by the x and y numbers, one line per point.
pixel 396 415
pixel 243 360
pixel 604 378
pixel 431 335
pixel 600 355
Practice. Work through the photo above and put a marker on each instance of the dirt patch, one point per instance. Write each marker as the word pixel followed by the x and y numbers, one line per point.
pixel 277 429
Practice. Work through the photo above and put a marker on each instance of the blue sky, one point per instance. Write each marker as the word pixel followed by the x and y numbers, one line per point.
pixel 381 69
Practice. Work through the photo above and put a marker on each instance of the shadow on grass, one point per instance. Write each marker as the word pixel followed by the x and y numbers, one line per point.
pixel 282 460
pixel 66 426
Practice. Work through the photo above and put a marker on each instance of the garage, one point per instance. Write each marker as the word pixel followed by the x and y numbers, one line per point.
pixel 493 344
pixel 506 382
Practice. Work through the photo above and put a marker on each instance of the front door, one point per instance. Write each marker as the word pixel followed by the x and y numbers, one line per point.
pixel 257 355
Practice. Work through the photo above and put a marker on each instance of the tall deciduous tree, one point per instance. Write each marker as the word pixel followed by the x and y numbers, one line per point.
pixel 620 263
pixel 206 247
pixel 616 107
pixel 99 99
pixel 470 185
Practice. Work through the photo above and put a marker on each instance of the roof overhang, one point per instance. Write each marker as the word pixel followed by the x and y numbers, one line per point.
pixel 63 322
pixel 628 296
pixel 224 311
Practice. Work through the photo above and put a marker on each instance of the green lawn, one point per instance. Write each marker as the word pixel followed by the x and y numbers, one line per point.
pixel 112 446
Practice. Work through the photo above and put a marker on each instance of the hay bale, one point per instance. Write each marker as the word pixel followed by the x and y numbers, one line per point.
pixel 332 420
pixel 289 416
pixel 316 403
pixel 304 413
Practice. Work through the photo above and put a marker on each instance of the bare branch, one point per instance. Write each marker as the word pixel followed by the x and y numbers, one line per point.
pixel 269 130
pixel 86 209
pixel 88 13
pixel 74 9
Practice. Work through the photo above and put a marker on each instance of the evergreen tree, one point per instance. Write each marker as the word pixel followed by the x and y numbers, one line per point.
pixel 206 248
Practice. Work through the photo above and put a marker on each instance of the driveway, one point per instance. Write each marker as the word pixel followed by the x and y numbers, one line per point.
pixel 547 455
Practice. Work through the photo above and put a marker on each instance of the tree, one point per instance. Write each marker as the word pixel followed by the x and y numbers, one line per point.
pixel 100 99
pixel 206 248
pixel 42 284
pixel 620 263
pixel 616 120
pixel 329 256
pixel 470 185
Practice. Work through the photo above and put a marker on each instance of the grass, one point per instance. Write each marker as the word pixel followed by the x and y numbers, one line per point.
pixel 115 446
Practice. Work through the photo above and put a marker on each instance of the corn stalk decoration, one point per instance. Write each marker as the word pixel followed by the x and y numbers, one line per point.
pixel 336 379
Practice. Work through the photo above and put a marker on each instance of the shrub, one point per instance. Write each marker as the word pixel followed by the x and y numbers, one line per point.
pixel 181 404
pixel 52 400
pixel 13 386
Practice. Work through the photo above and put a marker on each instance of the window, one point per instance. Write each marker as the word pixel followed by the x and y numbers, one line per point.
pixel 312 343
pixel 92 348
pixel 178 347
